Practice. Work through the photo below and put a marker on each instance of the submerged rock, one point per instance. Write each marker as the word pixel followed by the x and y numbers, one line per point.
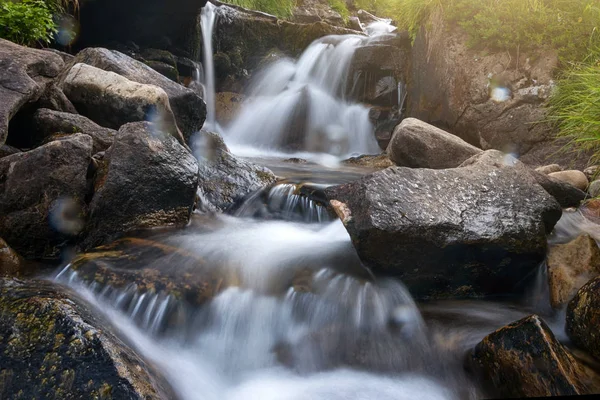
pixel 148 179
pixel 469 231
pixel 52 346
pixel 417 144
pixel 570 266
pixel 35 189
pixel 524 359
pixel 583 318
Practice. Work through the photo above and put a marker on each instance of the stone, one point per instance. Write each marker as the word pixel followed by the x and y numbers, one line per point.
pixel 111 100
pixel 570 266
pixel 381 161
pixel 53 346
pixel 592 172
pixel 416 144
pixel 524 359
pixel 43 194
pixel 572 177
pixel 146 180
pixel 26 74
pixel 49 122
pixel 224 178
pixel 10 261
pixel 309 11
pixel 583 318
pixel 548 169
pixel 594 188
pixel 6 150
pixel 188 107
pixel 228 106
pixel 470 231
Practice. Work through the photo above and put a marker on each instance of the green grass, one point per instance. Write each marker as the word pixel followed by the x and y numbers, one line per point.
pixel 279 8
pixel 341 7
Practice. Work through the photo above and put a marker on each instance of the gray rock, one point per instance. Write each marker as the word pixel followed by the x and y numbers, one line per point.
pixel 469 231
pixel 592 172
pixel 6 150
pixel 416 144
pixel 147 180
pixel 189 108
pixel 548 169
pixel 583 318
pixel 48 122
pixel 26 74
pixel 43 194
pixel 572 177
pixel 594 189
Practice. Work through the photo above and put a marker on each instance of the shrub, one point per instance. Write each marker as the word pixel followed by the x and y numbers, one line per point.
pixel 26 22
pixel 279 8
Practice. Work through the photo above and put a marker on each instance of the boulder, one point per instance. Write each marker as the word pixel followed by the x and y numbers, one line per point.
pixel 48 123
pixel 572 177
pixel 10 262
pixel 6 150
pixel 470 231
pixel 592 172
pixel 416 144
pixel 524 359
pixel 223 177
pixel 375 162
pixel 548 169
pixel 112 100
pixel 53 346
pixel 43 194
pixel 189 108
pixel 583 318
pixel 570 266
pixel 147 180
pixel 26 74
pixel 594 188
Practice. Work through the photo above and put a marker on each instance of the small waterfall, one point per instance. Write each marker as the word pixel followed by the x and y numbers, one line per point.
pixel 207 22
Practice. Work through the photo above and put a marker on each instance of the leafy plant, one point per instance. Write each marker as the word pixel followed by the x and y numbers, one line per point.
pixel 26 22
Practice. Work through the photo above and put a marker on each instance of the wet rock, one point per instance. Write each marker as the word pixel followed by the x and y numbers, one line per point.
pixel 228 106
pixel 52 346
pixel 223 177
pixel 524 359
pixel 570 266
pixel 469 231
pixel 26 74
pixel 34 188
pixel 594 188
pixel 583 318
pixel 417 144
pixel 112 100
pixel 10 262
pixel 572 177
pixel 6 150
pixel 48 122
pixel 189 108
pixel 149 180
pixel 548 169
pixel 376 162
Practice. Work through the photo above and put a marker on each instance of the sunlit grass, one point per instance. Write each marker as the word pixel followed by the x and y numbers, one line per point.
pixel 279 8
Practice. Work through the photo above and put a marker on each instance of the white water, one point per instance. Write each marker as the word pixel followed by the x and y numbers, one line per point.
pixel 207 24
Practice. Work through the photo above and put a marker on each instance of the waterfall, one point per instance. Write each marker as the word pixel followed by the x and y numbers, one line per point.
pixel 207 22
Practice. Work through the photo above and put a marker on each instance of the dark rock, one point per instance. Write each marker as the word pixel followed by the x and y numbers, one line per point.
pixel 467 231
pixel 417 144
pixel 148 180
pixel 223 177
pixel 583 318
pixel 189 108
pixel 54 99
pixel 164 69
pixel 10 261
pixel 6 150
pixel 524 359
pixel 26 74
pixel 48 122
pixel 52 346
pixel 35 188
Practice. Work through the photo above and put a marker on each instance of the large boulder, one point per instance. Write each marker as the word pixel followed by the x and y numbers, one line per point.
pixel 52 346
pixel 112 100
pixel 147 179
pixel 524 359
pixel 48 122
pixel 469 231
pixel 189 108
pixel 417 144
pixel 223 177
pixel 583 318
pixel 570 266
pixel 26 74
pixel 572 177
pixel 43 195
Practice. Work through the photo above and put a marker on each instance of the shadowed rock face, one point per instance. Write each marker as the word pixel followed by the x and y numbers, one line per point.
pixel 52 346
pixel 583 318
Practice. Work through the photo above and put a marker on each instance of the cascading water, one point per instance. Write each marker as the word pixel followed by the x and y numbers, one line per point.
pixel 207 24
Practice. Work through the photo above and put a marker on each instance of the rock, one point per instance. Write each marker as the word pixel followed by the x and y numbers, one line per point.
pixel 376 162
pixel 48 122
pixel 594 188
pixel 6 150
pixel 570 266
pixel 572 177
pixel 223 177
pixel 583 318
pixel 54 99
pixel 189 108
pixel 52 346
pixel 524 359
pixel 470 231
pixel 112 100
pixel 43 194
pixel 309 11
pixel 148 180
pixel 26 74
pixel 417 144
pixel 228 106
pixel 10 262
pixel 592 172
pixel 164 69
pixel 548 169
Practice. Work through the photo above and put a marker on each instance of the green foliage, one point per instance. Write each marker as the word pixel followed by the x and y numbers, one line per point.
pixel 279 8
pixel 26 22
pixel 341 7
